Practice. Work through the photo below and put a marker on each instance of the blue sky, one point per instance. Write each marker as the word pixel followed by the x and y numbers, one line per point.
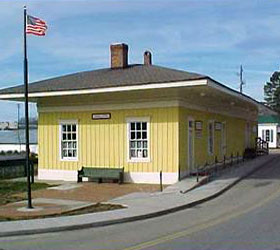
pixel 212 37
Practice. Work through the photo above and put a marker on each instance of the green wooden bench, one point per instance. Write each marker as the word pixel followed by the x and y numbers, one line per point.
pixel 101 173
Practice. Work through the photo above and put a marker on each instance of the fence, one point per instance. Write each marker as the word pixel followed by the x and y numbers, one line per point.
pixel 209 169
pixel 15 168
pixel 262 146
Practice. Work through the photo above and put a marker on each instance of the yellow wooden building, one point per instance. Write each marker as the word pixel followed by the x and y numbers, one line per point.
pixel 142 117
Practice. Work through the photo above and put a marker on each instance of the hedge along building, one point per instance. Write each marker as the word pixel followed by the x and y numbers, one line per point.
pixel 142 117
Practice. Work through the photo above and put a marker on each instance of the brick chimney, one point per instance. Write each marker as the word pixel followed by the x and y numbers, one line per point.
pixel 147 58
pixel 119 55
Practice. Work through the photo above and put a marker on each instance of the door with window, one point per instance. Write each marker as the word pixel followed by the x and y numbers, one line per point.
pixel 268 135
pixel 191 145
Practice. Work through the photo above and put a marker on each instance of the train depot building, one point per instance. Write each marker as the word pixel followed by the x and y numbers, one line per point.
pixel 140 117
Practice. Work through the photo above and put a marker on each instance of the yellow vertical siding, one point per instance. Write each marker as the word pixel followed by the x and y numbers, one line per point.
pixel 103 143
pixel 235 137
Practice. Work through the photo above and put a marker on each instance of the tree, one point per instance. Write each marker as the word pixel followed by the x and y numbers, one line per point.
pixel 272 92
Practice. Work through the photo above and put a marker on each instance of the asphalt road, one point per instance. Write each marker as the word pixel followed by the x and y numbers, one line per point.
pixel 245 217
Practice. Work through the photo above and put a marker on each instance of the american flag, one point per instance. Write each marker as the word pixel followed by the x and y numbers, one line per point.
pixel 36 26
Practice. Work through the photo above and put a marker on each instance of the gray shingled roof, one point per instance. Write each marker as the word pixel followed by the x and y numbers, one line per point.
pixel 103 78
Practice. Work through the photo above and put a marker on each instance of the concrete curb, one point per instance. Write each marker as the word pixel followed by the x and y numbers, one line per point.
pixel 133 218
pixel 203 181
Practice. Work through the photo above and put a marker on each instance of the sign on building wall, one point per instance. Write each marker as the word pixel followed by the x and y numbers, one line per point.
pixel 101 116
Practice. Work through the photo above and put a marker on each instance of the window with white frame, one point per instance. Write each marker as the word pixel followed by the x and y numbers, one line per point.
pixel 267 135
pixel 138 136
pixel 211 137
pixel 68 140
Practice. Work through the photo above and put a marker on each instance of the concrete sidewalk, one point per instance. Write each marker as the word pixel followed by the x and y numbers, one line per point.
pixel 141 206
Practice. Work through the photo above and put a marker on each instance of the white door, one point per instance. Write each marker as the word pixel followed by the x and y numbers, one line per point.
pixel 224 140
pixel 191 146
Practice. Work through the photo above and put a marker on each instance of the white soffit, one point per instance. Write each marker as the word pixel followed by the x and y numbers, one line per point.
pixel 202 82
pixel 230 91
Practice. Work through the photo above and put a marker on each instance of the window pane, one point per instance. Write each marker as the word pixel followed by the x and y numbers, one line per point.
pixel 132 135
pixel 69 136
pixel 74 128
pixel 74 144
pixel 132 153
pixel 138 135
pixel 145 144
pixel 139 153
pixel 74 136
pixel 144 125
pixel 64 145
pixel 68 128
pixel 64 153
pixel 63 128
pixel 69 144
pixel 145 153
pixel 144 135
pixel 138 125
pixel 139 144
pixel 74 153
pixel 132 144
pixel 132 126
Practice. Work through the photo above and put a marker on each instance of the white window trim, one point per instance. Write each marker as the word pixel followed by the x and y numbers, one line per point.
pixel 62 122
pixel 208 137
pixel 138 119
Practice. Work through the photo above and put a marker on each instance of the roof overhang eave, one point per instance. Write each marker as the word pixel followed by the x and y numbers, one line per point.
pixel 17 96
pixel 221 87
pixel 190 83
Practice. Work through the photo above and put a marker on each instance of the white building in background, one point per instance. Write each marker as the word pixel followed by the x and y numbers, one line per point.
pixel 4 125
pixel 269 126
pixel 269 130
pixel 13 125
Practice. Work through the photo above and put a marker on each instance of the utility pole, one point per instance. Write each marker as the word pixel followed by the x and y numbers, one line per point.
pixel 242 82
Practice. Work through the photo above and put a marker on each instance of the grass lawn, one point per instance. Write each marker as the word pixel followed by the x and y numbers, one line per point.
pixel 10 189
